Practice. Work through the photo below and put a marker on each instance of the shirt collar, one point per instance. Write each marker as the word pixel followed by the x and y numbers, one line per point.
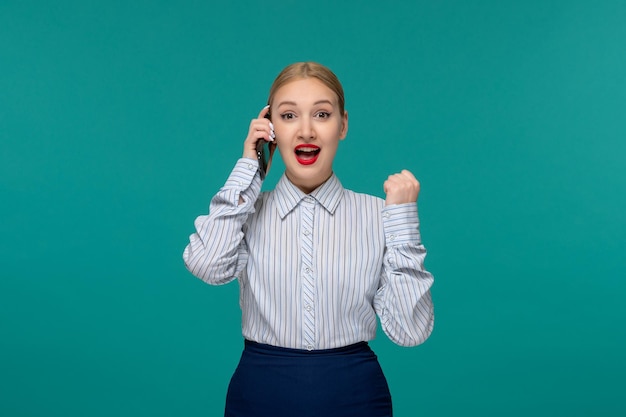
pixel 288 196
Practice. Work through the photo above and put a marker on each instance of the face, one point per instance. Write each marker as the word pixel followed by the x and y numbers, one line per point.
pixel 308 127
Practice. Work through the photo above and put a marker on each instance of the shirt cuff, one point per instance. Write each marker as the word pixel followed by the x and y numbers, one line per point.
pixel 401 224
pixel 242 174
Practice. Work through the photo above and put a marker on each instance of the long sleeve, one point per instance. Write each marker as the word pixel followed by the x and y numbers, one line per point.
pixel 217 252
pixel 403 301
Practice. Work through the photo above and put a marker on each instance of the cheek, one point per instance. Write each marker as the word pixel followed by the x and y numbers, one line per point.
pixel 281 131
pixel 283 148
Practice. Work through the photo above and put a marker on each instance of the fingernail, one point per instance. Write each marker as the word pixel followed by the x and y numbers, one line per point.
pixel 266 106
pixel 272 126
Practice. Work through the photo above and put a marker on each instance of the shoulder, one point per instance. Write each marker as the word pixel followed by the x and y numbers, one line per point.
pixel 362 198
pixel 362 206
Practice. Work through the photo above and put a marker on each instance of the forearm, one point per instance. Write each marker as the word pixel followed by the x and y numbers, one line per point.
pixel 216 252
pixel 403 301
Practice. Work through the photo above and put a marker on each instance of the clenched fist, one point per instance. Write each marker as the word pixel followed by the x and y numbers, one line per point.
pixel 401 188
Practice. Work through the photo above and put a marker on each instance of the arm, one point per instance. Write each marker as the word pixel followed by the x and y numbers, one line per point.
pixel 403 301
pixel 216 252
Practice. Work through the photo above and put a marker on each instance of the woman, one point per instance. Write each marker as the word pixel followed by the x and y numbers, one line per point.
pixel 315 262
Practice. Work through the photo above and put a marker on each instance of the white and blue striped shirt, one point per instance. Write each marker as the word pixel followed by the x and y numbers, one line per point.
pixel 314 270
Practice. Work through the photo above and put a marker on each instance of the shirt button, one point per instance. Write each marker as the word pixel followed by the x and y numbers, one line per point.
pixel 308 307
pixel 392 237
pixel 240 183
pixel 307 269
pixel 250 166
pixel 309 347
pixel 307 232
pixel 386 215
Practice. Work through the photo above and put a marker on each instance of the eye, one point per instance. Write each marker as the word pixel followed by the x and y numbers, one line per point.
pixel 323 115
pixel 287 116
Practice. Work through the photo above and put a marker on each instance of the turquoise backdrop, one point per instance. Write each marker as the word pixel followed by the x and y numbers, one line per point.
pixel 120 119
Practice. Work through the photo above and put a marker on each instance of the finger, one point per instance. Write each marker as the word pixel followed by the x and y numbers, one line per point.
pixel 408 174
pixel 264 111
pixel 400 181
pixel 388 184
pixel 262 125
pixel 263 132
pixel 398 178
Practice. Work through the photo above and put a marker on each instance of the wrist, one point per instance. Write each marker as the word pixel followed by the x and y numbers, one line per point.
pixel 249 154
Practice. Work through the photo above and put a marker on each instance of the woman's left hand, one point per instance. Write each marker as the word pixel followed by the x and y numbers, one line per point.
pixel 401 188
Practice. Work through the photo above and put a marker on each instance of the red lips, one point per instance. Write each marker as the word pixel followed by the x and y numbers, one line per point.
pixel 307 154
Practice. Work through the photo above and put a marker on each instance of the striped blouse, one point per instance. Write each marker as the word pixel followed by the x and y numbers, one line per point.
pixel 314 270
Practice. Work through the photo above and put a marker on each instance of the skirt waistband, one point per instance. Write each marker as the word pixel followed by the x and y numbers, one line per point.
pixel 262 348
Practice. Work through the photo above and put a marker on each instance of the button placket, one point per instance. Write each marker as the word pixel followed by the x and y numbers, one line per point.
pixel 308 273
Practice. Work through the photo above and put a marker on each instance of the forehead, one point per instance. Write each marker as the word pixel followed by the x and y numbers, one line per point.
pixel 304 91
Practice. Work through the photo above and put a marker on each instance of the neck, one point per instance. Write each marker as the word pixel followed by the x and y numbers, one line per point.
pixel 307 188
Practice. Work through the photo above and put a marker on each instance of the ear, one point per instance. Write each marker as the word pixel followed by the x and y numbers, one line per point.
pixel 344 126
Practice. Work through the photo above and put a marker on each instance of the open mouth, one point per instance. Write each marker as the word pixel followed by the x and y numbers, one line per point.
pixel 307 154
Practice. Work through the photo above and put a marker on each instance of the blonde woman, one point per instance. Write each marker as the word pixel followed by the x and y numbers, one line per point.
pixel 316 263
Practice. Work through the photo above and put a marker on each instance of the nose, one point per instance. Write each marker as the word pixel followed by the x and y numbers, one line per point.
pixel 307 130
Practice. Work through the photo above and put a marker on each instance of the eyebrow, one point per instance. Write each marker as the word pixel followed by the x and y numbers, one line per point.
pixel 293 103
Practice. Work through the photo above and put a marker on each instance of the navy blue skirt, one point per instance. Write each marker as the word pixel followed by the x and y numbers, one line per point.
pixel 272 381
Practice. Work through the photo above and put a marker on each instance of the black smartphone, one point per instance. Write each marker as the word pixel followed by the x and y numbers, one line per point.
pixel 263 153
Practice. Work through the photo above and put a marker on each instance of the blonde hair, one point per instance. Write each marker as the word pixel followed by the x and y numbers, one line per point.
pixel 300 70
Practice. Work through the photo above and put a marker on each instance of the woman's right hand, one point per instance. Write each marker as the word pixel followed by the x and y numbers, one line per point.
pixel 260 129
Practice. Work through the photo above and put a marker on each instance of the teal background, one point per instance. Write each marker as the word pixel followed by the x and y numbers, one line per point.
pixel 119 120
